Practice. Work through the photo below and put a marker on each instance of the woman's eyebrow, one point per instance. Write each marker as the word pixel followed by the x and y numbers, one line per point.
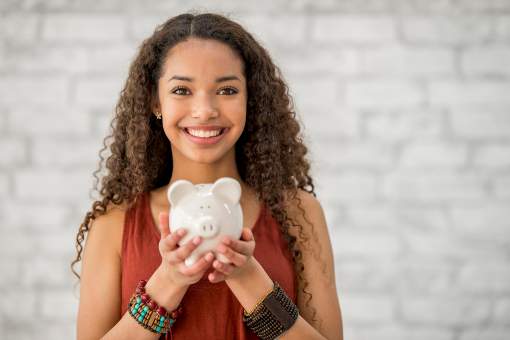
pixel 218 80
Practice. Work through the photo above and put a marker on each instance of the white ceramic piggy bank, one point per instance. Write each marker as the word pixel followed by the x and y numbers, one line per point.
pixel 207 210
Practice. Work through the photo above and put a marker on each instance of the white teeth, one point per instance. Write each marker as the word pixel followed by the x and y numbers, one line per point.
pixel 203 133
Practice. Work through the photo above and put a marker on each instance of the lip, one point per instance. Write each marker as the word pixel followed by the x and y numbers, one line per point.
pixel 204 127
pixel 205 141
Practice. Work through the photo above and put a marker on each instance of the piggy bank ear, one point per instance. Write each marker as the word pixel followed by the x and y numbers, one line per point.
pixel 227 188
pixel 178 190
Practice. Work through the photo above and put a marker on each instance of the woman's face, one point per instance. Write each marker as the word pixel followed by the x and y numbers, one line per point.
pixel 202 92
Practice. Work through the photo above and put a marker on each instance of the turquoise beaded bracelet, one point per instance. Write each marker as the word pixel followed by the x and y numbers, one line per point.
pixel 148 314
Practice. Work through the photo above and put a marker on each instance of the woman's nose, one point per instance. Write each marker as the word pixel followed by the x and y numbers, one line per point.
pixel 204 108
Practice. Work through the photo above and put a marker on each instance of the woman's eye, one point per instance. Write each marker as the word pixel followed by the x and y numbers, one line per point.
pixel 180 90
pixel 230 90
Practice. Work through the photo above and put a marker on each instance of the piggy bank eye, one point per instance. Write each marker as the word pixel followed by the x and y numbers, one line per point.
pixel 201 207
pixel 208 207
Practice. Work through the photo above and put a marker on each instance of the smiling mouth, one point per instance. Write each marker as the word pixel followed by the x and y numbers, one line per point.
pixel 204 135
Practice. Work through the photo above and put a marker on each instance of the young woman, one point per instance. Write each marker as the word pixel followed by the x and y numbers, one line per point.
pixel 202 101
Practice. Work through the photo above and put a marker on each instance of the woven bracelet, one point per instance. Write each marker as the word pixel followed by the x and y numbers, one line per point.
pixel 275 315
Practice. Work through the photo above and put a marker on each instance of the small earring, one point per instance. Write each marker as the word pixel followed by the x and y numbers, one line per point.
pixel 158 115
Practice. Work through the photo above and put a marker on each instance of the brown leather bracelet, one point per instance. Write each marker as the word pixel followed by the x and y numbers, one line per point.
pixel 275 315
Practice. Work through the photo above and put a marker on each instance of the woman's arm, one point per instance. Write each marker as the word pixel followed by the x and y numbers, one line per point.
pixel 100 288
pixel 253 282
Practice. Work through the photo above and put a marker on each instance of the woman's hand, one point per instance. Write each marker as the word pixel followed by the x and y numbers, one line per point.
pixel 173 255
pixel 239 252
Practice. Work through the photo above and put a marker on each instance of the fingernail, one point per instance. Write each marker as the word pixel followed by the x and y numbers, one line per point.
pixel 181 232
pixel 222 248
pixel 209 257
pixel 196 240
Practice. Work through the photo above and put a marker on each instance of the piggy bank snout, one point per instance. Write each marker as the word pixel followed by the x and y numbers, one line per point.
pixel 207 226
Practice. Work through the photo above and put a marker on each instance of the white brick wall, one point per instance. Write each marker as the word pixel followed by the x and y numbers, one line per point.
pixel 406 109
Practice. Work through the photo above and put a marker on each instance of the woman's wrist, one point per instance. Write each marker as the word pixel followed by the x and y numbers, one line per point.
pixel 165 292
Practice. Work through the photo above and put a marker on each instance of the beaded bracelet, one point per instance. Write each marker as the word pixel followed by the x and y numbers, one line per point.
pixel 275 315
pixel 147 312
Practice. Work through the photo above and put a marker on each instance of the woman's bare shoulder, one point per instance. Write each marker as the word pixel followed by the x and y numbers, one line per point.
pixel 108 227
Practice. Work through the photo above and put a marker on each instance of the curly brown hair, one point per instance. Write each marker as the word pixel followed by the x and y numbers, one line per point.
pixel 270 153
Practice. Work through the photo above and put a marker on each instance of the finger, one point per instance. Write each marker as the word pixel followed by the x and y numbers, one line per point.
pixel 216 277
pixel 243 247
pixel 181 253
pixel 171 241
pixel 163 226
pixel 224 268
pixel 234 257
pixel 201 265
pixel 247 234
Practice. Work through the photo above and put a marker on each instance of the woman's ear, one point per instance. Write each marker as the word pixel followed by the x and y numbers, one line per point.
pixel 227 188
pixel 178 190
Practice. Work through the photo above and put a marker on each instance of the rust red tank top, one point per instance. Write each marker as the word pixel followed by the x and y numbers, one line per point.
pixel 210 310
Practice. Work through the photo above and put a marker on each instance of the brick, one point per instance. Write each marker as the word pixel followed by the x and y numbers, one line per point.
pixel 488 222
pixel 35 184
pixel 352 6
pixel 13 152
pixel 423 275
pixel 352 29
pixel 47 215
pixel 354 155
pixel 83 28
pixel 367 309
pixel 404 126
pixel 501 186
pixel 97 91
pixel 21 297
pixel 59 244
pixel 325 93
pixel 16 243
pixel 67 303
pixel 337 61
pixel 501 28
pixel 268 29
pixel 398 331
pixel 33 89
pixel 35 273
pixel 486 61
pixel 11 272
pixel 440 311
pixel 492 156
pixel 433 155
pixel 318 124
pixel 143 25
pixel 44 59
pixel 480 123
pixel 448 245
pixel 364 276
pixel 62 152
pixel 486 334
pixel 399 217
pixel 502 311
pixel 48 121
pixel 446 30
pixel 484 6
pixel 350 187
pixel 19 28
pixel 482 278
pixel 424 7
pixel 4 185
pixel 383 94
pixel 399 61
pixel 365 243
pixel 486 94
pixel 435 187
